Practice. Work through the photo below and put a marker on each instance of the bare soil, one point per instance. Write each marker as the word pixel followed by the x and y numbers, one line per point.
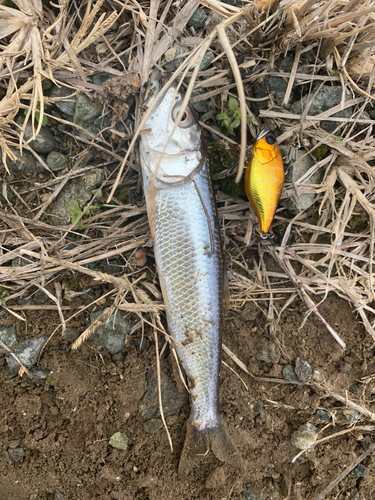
pixel 64 425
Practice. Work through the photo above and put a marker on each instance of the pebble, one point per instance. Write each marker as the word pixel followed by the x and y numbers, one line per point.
pixel 326 98
pixel 38 374
pixel 25 163
pixel 33 496
pixel 258 407
pixel 67 106
pixel 277 84
pixel 303 370
pixel 16 453
pixel 251 494
pixel 268 352
pixel 44 142
pixel 8 337
pixel 58 495
pixel 171 398
pixel 85 111
pixel 359 471
pixel 367 442
pixel 198 19
pixel 141 343
pixel 139 258
pixel 305 436
pixel 56 161
pixel 27 352
pixel 345 367
pixel 290 374
pixel 78 189
pixel 317 376
pixel 201 106
pixel 119 356
pixel 323 415
pixel 354 390
pixel 153 425
pixel 172 61
pixel 101 78
pixel 207 60
pixel 112 334
pixel 119 440
pixel 350 414
pixel 297 163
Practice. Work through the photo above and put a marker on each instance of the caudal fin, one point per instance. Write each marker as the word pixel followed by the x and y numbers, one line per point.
pixel 199 442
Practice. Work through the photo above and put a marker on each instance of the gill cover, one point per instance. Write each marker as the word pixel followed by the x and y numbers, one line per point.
pixel 170 155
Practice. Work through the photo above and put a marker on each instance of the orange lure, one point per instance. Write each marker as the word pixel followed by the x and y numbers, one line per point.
pixel 264 179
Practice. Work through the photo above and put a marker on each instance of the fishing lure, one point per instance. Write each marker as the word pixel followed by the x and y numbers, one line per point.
pixel 264 179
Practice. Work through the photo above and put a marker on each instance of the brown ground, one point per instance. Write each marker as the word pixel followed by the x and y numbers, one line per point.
pixel 64 428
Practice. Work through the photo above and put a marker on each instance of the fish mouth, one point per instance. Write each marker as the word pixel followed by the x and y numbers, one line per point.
pixel 155 89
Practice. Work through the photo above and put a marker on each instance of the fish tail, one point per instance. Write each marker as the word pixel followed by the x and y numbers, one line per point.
pixel 199 442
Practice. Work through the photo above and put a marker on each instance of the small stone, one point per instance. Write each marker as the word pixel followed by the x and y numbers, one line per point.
pixel 258 407
pixel 268 352
pixel 33 496
pixel 350 414
pixel 345 367
pixel 290 375
pixel 25 163
pixel 354 390
pixel 43 143
pixel 16 453
pixel 323 415
pixel 305 436
pixel 68 105
pixel 251 494
pixel 367 442
pixel 38 374
pixel 326 99
pixel 198 19
pixel 27 353
pixel 303 370
pixel 56 161
pixel 139 258
pixel 153 425
pixel 297 163
pixel 359 471
pixel 58 495
pixel 207 60
pixel 173 62
pixel 317 376
pixel 119 440
pixel 8 337
pixel 101 78
pixel 85 111
pixel 216 479
pixel 141 343
pixel 77 190
pixel 112 334
pixel 171 398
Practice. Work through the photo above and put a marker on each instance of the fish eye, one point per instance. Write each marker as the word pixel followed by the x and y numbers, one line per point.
pixel 187 117
pixel 270 139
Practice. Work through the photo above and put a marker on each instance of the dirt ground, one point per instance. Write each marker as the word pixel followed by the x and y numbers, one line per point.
pixel 64 425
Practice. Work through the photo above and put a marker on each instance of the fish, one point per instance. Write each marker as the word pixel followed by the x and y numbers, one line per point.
pixel 264 179
pixel 183 220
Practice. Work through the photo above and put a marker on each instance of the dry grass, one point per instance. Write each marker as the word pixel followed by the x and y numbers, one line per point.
pixel 69 43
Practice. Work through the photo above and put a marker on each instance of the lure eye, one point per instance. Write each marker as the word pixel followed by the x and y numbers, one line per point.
pixel 270 139
pixel 187 117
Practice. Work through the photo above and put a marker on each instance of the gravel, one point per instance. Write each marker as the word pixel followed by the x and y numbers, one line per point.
pixel 305 436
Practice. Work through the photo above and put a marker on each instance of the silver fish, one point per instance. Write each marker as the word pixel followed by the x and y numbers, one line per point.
pixel 183 219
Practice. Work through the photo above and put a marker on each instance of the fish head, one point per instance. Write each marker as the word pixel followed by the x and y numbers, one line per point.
pixel 266 148
pixel 170 149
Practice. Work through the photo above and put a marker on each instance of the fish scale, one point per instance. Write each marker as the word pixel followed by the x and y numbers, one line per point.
pixel 192 278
